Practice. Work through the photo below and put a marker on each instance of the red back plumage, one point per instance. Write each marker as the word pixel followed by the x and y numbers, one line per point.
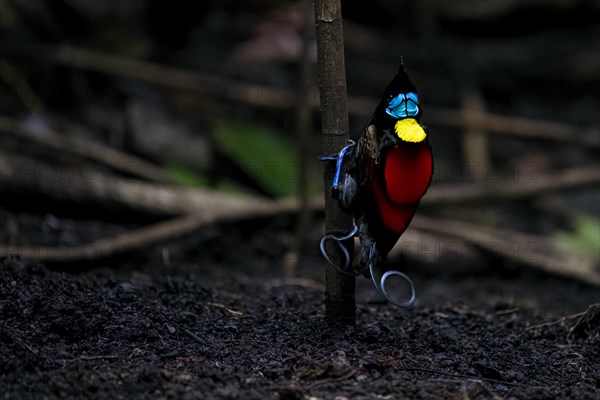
pixel 405 176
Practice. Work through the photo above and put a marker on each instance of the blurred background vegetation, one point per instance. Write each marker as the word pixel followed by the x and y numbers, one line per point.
pixel 222 95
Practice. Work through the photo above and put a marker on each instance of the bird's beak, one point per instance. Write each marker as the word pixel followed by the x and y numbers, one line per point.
pixel 409 130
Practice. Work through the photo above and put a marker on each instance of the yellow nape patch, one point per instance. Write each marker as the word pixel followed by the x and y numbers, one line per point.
pixel 409 130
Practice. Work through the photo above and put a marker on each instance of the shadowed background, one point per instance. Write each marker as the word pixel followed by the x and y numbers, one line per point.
pixel 161 201
pixel 222 95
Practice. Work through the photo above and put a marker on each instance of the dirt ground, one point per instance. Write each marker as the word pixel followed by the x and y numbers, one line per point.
pixel 218 322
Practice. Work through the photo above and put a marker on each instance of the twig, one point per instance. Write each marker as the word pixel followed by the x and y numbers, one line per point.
pixel 347 375
pixel 508 311
pixel 229 310
pixel 92 358
pixel 473 378
pixel 302 282
pixel 128 241
pixel 194 336
pixel 64 362
pixel 558 321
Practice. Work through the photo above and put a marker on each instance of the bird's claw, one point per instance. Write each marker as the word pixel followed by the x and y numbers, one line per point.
pixel 339 159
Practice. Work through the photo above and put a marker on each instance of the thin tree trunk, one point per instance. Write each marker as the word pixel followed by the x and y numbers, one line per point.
pixel 339 292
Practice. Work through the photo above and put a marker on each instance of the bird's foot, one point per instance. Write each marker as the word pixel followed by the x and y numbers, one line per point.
pixel 339 159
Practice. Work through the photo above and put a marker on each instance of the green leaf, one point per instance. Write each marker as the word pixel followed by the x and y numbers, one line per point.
pixel 265 156
pixel 186 176
pixel 585 239
pixel 190 177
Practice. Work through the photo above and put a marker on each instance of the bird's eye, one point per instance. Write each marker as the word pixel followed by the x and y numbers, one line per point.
pixel 395 101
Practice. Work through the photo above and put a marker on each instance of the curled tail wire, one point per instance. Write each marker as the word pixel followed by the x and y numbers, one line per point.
pixel 379 283
pixel 381 287
pixel 345 269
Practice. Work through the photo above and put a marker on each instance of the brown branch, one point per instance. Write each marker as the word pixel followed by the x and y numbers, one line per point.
pixel 525 186
pixel 86 149
pixel 193 208
pixel 156 233
pixel 128 241
pixel 23 174
pixel 175 78
pixel 284 97
pixel 532 250
pixel 18 174
pixel 196 208
pixel 516 126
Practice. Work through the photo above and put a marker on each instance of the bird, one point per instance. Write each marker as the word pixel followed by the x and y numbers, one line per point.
pixel 387 172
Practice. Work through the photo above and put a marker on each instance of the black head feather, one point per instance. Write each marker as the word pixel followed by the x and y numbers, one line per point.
pixel 401 83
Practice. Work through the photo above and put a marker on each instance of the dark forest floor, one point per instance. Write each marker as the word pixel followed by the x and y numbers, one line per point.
pixel 217 327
